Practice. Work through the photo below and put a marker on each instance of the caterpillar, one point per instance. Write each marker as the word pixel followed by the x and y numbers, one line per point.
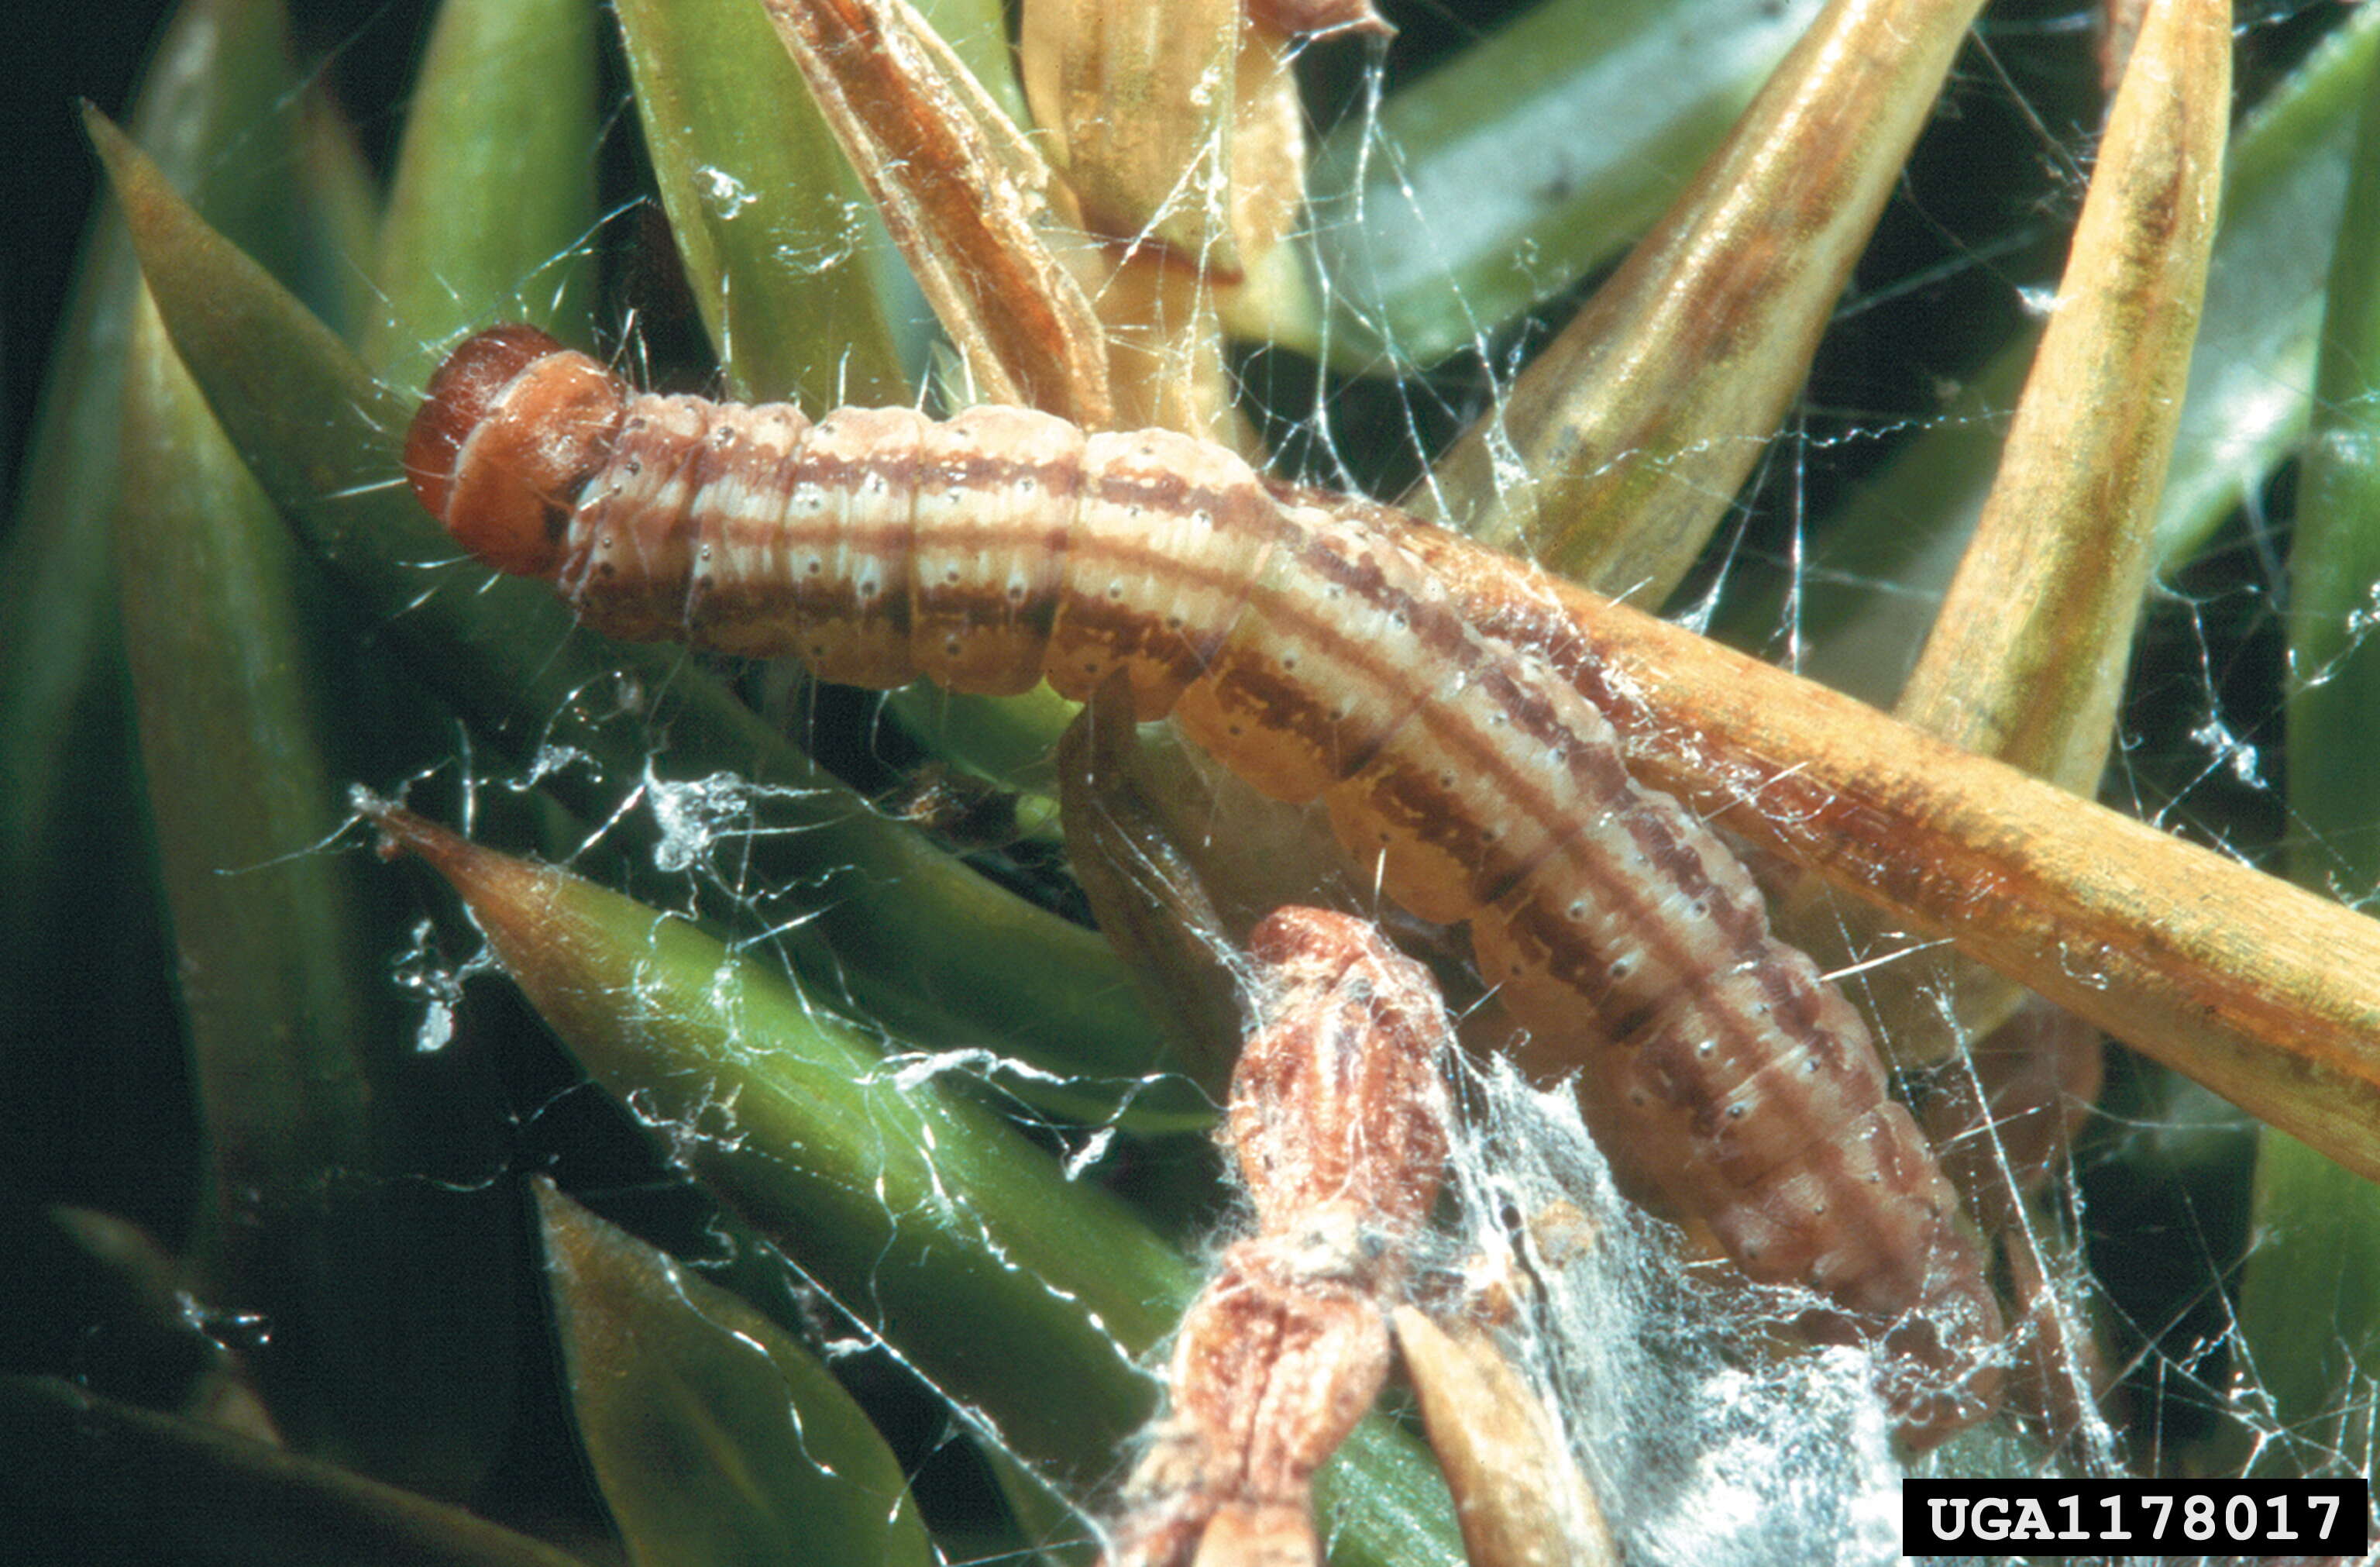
pixel 1725 1078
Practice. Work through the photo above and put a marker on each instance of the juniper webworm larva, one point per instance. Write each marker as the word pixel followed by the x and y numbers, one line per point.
pixel 1315 657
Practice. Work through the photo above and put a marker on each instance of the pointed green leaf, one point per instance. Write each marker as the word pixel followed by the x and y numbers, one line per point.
pixel 303 414
pixel 716 1437
pixel 1504 175
pixel 781 249
pixel 1027 1297
pixel 309 1088
pixel 977 32
pixel 929 1218
pixel 492 206
pixel 230 734
pixel 78 940
pixel 2310 1304
pixel 339 200
pixel 2335 559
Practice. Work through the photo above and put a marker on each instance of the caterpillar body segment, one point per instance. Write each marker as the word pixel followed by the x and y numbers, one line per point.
pixel 1315 658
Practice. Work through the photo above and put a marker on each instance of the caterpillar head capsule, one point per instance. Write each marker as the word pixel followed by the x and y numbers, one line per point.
pixel 514 426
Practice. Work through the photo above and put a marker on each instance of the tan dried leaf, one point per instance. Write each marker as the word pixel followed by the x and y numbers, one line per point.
pixel 1137 97
pixel 1624 443
pixel 1519 1496
pixel 964 196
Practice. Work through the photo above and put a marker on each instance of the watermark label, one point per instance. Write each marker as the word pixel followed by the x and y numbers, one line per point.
pixel 2086 1517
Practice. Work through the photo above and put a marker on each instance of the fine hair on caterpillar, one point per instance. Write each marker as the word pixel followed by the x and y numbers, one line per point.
pixel 1728 1082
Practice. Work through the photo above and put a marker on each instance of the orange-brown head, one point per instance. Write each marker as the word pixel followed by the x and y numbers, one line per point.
pixel 514 426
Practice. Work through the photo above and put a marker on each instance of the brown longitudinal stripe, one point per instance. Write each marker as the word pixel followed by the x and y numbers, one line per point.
pixel 1315 656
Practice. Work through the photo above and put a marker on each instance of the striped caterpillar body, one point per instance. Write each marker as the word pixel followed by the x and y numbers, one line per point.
pixel 1311 656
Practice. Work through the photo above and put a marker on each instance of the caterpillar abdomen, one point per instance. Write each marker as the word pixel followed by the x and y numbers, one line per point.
pixel 1315 657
